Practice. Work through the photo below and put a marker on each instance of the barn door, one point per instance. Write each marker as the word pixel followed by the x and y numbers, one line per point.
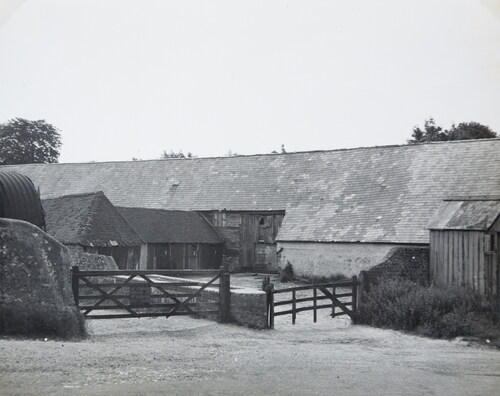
pixel 248 237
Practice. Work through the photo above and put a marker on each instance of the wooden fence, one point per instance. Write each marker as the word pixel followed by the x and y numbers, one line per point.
pixel 322 292
pixel 150 293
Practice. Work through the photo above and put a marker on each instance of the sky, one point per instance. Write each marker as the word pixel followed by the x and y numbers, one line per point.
pixel 125 79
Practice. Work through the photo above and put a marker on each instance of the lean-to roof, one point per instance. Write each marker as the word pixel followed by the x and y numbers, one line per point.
pixel 472 214
pixel 376 194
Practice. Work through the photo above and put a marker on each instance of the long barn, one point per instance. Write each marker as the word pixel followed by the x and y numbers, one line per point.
pixel 324 212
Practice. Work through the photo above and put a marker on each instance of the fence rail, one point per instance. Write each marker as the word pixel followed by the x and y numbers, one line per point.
pixel 320 293
pixel 150 293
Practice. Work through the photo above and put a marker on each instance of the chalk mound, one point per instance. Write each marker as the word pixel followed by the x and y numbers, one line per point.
pixel 35 288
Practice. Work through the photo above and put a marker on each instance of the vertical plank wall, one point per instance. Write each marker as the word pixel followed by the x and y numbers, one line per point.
pixel 461 258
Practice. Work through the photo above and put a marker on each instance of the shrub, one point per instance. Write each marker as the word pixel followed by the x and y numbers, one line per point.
pixel 286 273
pixel 437 312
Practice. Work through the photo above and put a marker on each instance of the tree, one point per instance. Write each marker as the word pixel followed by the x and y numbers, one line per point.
pixel 470 130
pixel 463 131
pixel 173 154
pixel 430 133
pixel 28 142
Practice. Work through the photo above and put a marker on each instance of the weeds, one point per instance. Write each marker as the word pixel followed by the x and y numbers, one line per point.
pixel 427 310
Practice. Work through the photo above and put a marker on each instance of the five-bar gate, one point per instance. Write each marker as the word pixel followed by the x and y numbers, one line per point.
pixel 341 297
pixel 151 293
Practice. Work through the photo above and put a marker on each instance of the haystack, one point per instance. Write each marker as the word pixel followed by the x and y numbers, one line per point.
pixel 35 289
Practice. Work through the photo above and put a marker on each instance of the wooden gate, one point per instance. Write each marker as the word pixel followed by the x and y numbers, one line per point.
pixel 151 293
pixel 334 294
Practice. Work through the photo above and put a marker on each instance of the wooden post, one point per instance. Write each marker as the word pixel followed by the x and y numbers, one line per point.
pixel 75 283
pixel 224 296
pixel 315 317
pixel 364 287
pixel 294 305
pixel 333 302
pixel 354 306
pixel 271 306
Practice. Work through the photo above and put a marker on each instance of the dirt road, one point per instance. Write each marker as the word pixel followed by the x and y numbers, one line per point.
pixel 185 356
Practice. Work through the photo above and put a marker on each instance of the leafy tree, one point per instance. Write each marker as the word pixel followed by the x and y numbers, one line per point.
pixel 28 142
pixel 470 130
pixel 173 154
pixel 462 131
pixel 231 153
pixel 430 133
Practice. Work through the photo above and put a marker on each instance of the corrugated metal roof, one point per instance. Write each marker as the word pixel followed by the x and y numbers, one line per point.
pixel 88 220
pixel 19 199
pixel 466 215
pixel 170 226
pixel 378 194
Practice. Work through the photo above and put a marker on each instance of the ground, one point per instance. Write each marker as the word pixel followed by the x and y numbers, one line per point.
pixel 187 356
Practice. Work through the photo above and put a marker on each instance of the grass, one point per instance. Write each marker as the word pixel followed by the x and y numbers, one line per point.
pixel 449 312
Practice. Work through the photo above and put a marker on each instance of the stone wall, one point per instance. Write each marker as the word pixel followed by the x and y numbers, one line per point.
pixel 35 290
pixel 406 262
pixel 316 260
pixel 89 261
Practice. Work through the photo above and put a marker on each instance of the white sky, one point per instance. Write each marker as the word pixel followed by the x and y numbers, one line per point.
pixel 130 78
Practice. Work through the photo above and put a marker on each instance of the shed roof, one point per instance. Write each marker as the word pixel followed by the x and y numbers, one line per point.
pixel 377 194
pixel 170 226
pixel 466 215
pixel 89 220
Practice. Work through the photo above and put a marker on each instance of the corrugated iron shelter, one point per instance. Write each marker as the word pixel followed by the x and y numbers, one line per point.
pixel 175 239
pixel 19 199
pixel 464 241
pixel 91 223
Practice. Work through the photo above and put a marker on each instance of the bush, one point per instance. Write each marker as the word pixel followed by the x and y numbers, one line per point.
pixel 437 312
pixel 286 273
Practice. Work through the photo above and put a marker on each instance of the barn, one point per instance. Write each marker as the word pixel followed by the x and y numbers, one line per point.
pixel 90 223
pixel 464 240
pixel 175 239
pixel 324 212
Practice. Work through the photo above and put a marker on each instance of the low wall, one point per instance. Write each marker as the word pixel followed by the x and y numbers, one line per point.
pixel 89 261
pixel 327 259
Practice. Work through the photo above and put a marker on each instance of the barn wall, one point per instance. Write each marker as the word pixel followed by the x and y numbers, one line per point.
pixel 311 259
pixel 181 256
pixel 250 236
pixel 465 258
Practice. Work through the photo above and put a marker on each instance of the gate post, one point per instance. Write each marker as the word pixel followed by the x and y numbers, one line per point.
pixel 74 284
pixel 355 283
pixel 224 295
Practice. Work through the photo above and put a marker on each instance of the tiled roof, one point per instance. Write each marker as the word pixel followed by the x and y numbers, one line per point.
pixel 170 226
pixel 466 215
pixel 377 194
pixel 88 220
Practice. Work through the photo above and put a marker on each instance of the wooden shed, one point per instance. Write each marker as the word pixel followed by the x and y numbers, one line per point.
pixel 464 240
pixel 175 239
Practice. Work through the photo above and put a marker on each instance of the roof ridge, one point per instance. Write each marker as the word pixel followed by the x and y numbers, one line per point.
pixel 75 195
pixel 466 141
